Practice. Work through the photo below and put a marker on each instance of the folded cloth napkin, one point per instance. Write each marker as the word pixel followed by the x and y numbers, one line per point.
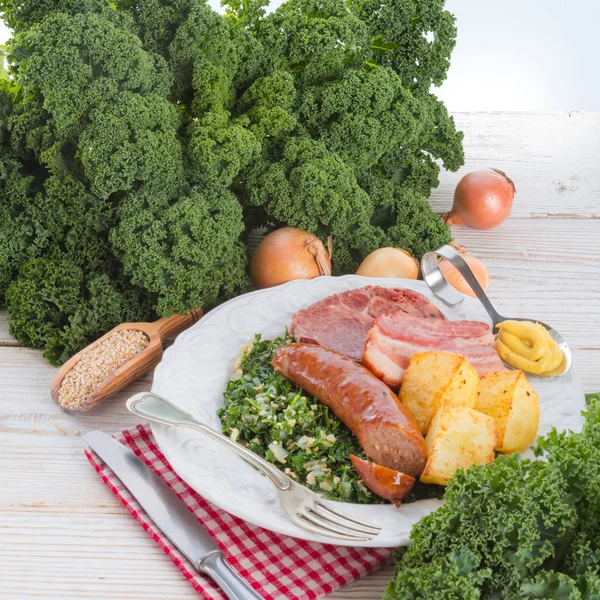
pixel 275 565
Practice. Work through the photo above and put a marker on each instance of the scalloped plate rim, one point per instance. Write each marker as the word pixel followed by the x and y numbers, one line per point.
pixel 161 433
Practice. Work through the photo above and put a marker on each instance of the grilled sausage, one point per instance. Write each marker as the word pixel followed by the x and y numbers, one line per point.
pixel 383 426
pixel 386 483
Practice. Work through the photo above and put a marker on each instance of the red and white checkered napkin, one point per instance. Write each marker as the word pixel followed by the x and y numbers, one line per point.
pixel 276 566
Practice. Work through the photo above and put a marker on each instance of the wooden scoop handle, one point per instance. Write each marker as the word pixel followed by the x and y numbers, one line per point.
pixel 134 368
pixel 168 326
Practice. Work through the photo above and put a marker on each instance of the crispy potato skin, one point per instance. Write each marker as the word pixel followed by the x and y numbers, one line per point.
pixel 467 418
pixel 386 483
pixel 436 379
pixel 510 400
pixel 459 437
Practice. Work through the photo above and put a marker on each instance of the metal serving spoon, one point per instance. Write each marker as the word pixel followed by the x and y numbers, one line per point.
pixel 452 297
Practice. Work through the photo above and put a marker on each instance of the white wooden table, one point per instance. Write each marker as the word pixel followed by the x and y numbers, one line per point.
pixel 64 535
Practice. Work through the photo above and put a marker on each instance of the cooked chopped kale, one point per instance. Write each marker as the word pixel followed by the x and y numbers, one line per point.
pixel 282 423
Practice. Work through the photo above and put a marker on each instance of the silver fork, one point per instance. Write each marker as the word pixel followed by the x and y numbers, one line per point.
pixel 303 507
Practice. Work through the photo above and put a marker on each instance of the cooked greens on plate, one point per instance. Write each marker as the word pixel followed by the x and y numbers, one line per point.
pixel 280 422
pixel 268 414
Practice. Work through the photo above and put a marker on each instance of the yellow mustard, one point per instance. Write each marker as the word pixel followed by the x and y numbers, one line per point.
pixel 529 346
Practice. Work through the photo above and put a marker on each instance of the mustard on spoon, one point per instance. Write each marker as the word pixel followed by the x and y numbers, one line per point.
pixel 452 297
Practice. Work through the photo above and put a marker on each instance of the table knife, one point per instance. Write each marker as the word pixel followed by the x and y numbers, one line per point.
pixel 170 515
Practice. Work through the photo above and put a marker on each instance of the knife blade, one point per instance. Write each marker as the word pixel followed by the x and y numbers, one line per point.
pixel 170 515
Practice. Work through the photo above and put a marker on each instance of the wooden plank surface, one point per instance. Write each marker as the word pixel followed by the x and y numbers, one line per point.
pixel 5 338
pixel 552 158
pixel 546 269
pixel 543 267
pixel 63 533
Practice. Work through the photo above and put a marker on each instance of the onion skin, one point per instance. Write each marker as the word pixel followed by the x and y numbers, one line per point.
pixel 389 262
pixel 482 199
pixel 457 281
pixel 286 254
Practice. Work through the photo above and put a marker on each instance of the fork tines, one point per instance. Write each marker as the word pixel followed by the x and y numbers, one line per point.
pixel 323 518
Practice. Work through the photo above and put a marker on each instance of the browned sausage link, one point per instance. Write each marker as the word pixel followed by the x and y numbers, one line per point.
pixel 383 426
pixel 386 483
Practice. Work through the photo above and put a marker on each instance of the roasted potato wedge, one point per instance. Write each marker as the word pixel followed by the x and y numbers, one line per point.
pixel 508 397
pixel 434 379
pixel 458 438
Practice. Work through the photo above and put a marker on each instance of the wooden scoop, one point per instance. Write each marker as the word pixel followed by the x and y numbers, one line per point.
pixel 148 358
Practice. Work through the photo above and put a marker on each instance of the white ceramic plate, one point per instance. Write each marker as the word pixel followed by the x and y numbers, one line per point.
pixel 194 371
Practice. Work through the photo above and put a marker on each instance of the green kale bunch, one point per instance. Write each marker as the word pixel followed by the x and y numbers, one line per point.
pixel 514 528
pixel 142 140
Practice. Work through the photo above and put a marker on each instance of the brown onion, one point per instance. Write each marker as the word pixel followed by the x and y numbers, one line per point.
pixel 287 254
pixel 389 262
pixel 482 199
pixel 456 280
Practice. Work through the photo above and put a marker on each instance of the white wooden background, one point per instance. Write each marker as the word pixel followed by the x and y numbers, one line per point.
pixel 64 535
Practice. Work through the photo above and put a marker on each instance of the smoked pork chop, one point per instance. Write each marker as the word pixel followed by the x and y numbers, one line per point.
pixel 395 338
pixel 341 322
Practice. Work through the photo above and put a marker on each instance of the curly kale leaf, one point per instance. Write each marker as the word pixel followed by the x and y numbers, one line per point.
pixel 187 252
pixel 106 119
pixel 60 307
pixel 245 14
pixel 131 142
pixel 219 148
pixel 577 457
pixel 21 16
pixel 269 105
pixel 62 216
pixel 156 21
pixel 311 188
pixel 362 115
pixel 399 218
pixel 531 525
pixel 583 555
pixel 314 39
pixel 552 585
pixel 73 63
pixel 413 38
pixel 17 243
pixel 204 60
pixel 177 129
pixel 518 512
pixel 452 577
